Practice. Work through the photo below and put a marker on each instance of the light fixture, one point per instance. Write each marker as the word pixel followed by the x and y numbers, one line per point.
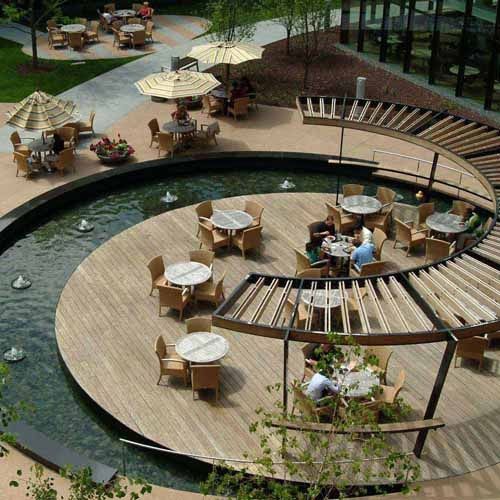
pixel 13 355
pixel 20 283
pixel 169 198
pixel 287 184
pixel 84 226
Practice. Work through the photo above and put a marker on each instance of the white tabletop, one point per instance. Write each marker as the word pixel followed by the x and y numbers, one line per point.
pixel 202 347
pixel 321 298
pixel 363 380
pixel 231 220
pixel 132 28
pixel 445 223
pixel 187 273
pixel 361 205
pixel 38 145
pixel 336 248
pixel 124 13
pixel 73 28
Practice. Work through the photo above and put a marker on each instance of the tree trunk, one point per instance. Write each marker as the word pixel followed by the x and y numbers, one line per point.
pixel 288 35
pixel 34 48
pixel 306 74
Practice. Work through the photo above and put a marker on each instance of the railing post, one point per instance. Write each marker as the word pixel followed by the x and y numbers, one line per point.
pixel 431 176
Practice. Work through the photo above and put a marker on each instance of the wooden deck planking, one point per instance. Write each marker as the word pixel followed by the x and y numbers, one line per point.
pixel 106 325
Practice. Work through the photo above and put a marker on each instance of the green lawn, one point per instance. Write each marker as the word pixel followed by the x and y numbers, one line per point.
pixel 14 85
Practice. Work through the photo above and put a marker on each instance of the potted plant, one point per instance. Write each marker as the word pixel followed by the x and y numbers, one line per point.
pixel 112 151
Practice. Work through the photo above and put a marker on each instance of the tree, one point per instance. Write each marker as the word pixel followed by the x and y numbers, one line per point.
pixel 34 13
pixel 231 20
pixel 283 12
pixel 318 465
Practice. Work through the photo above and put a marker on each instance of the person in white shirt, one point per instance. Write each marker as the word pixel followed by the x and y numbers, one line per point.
pixel 321 386
pixel 363 234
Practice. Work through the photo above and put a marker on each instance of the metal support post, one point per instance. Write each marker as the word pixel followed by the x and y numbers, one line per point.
pixel 431 176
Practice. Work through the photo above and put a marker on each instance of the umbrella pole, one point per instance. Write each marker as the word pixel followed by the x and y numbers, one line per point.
pixel 227 74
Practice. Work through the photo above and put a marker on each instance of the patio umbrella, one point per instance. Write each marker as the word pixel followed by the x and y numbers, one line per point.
pixel 177 84
pixel 41 111
pixel 226 53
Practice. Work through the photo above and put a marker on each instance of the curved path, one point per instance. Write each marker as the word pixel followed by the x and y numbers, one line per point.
pixel 106 325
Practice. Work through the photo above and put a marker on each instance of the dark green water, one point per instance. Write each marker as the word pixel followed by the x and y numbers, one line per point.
pixel 49 254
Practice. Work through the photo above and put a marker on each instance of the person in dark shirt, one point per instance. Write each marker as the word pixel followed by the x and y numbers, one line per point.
pixel 324 228
pixel 246 86
pixel 236 92
pixel 58 145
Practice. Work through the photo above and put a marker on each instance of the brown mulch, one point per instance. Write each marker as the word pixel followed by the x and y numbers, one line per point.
pixel 278 79
pixel 28 69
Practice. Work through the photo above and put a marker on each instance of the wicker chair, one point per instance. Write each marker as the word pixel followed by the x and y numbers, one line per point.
pixel 310 410
pixel 116 25
pixel 18 145
pixel 170 362
pixel 173 297
pixel 149 31
pixel 343 222
pixel 166 143
pixel 248 239
pixel 379 238
pixel 211 291
pixel 255 210
pixel 55 37
pixel 211 105
pixel 205 377
pixel 380 220
pixel 120 38
pixel 385 195
pixel 371 268
pixel 436 249
pixel 76 41
pixel 198 324
pixel 204 211
pixel 211 238
pixel 92 34
pixel 134 20
pixel 154 128
pixel 389 393
pixel 472 348
pixel 65 159
pixel 352 189
pixel 377 358
pixel 23 165
pixel 52 25
pixel 461 208
pixel 203 257
pixel 424 210
pixel 208 133
pixel 239 107
pixel 87 126
pixel 408 236
pixel 69 135
pixel 302 263
pixel 138 38
pixel 157 269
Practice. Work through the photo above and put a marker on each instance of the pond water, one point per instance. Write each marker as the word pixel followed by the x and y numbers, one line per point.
pixel 49 254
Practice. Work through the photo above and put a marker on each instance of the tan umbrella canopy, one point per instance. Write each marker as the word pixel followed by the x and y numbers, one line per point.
pixel 226 52
pixel 41 111
pixel 177 84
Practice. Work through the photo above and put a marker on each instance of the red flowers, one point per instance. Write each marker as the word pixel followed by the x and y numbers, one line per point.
pixel 113 149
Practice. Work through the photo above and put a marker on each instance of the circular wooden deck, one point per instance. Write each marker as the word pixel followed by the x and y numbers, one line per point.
pixel 106 324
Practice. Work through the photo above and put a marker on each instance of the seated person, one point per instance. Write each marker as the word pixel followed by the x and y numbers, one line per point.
pixel 180 113
pixel 313 250
pixel 363 234
pixel 145 12
pixel 58 144
pixel 246 86
pixel 236 92
pixel 320 386
pixel 474 229
pixel 363 254
pixel 324 228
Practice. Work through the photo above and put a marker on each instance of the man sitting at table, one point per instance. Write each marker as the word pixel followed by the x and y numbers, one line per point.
pixel 324 228
pixel 58 144
pixel 320 386
pixel 473 231
pixel 180 114
pixel 363 254
pixel 145 12
pixel 363 234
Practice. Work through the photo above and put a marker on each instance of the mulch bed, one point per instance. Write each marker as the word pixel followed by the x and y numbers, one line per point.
pixel 278 79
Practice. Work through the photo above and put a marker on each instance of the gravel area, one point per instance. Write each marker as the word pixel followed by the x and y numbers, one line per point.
pixel 278 78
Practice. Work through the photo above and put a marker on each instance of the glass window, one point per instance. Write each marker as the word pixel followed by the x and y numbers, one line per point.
pixel 396 27
pixel 423 27
pixel 373 27
pixel 495 104
pixel 353 24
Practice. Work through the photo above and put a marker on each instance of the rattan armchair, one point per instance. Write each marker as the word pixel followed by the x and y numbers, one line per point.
pixel 302 263
pixel 371 268
pixel 24 165
pixel 120 38
pixel 436 249
pixel 409 237
pixel 380 220
pixel 138 39
pixel 377 358
pixel 344 223
pixel 352 190
pixel 211 105
pixel 157 269
pixel 55 37
pixel 134 20
pixel 211 238
pixel 76 41
pixel 198 324
pixel 204 211
pixel 52 25
pixel 248 239
pixel 87 126
pixel 255 210
pixel 211 291
pixel 389 393
pixel 203 257
pixel 166 143
pixel 208 133
pixel 170 362
pixel 424 210
pixel 69 135
pixel 18 145
pixel 173 297
pixel 92 33
pixel 461 208
pixel 472 348
pixel 379 238
pixel 64 160
pixel 385 195
pixel 239 107
pixel 154 128
pixel 205 377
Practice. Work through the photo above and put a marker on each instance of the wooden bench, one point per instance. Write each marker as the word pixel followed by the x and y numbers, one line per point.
pixel 392 428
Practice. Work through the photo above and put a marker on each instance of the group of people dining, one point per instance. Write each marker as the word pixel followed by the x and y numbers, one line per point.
pixel 145 12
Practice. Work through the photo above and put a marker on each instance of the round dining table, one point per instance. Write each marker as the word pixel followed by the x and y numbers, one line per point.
pixel 337 247
pixel 202 347
pixel 358 384
pixel 187 273
pixel 321 299
pixel 39 146
pixel 124 13
pixel 73 28
pixel 445 223
pixel 361 204
pixel 231 220
pixel 132 28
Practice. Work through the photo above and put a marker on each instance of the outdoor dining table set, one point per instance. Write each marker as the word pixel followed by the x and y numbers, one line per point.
pixel 39 146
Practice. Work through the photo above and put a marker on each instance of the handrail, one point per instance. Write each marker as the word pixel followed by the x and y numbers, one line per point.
pixel 420 160
pixel 246 461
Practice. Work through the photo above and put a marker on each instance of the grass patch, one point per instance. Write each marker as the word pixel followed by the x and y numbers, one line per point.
pixel 17 82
